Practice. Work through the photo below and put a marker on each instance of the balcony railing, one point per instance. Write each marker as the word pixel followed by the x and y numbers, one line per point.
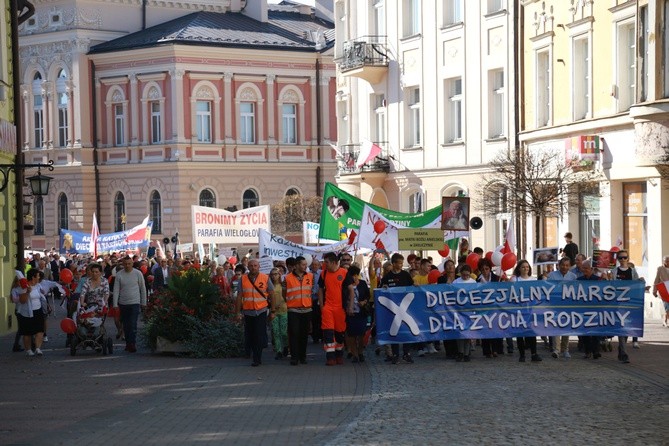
pixel 366 51
pixel 347 160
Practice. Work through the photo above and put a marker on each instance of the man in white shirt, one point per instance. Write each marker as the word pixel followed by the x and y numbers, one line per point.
pixel 563 273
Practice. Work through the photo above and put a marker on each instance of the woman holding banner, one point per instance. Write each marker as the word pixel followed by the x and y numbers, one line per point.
pixel 523 273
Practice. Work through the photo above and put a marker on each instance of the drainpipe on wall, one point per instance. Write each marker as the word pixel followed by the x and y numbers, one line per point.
pixel 318 128
pixel 94 119
pixel 19 174
pixel 143 15
pixel 518 33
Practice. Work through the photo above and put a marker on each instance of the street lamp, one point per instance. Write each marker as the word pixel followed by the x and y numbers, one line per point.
pixel 39 184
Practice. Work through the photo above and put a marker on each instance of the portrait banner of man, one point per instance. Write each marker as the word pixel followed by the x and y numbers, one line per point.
pixel 455 213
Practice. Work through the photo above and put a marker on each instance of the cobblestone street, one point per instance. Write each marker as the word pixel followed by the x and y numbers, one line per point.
pixel 153 399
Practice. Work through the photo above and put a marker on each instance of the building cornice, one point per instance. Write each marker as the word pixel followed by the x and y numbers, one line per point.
pixel 596 125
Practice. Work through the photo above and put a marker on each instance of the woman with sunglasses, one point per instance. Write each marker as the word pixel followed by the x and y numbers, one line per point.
pixel 624 272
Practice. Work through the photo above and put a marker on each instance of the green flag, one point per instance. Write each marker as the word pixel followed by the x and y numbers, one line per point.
pixel 342 213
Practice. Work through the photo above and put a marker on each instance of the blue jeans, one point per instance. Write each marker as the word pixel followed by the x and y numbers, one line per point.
pixel 129 317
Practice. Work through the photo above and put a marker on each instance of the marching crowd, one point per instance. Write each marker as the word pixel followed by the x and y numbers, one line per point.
pixel 332 301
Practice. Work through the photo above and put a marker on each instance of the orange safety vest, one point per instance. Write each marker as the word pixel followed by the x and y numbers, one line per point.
pixel 298 292
pixel 251 298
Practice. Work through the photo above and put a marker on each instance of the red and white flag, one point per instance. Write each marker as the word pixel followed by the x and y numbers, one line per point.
pixel 509 239
pixel 95 233
pixel 595 239
pixel 663 289
pixel 368 151
pixel 139 232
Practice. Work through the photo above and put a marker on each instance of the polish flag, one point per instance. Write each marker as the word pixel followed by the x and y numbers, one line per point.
pixel 95 233
pixel 138 233
pixel 595 239
pixel 663 289
pixel 368 151
pixel 509 239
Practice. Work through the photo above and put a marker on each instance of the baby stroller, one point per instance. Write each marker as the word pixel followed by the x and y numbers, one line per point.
pixel 89 331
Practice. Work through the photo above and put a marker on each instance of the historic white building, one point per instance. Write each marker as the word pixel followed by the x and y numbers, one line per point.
pixel 432 83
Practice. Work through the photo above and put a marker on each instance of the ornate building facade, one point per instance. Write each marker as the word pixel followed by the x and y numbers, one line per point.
pixel 150 107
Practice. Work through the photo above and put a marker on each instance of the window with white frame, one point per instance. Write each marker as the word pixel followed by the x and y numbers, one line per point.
pixel 412 9
pixel 119 212
pixel 250 199
pixel 495 5
pixel 63 212
pixel 119 125
pixel 38 111
pixel 207 198
pixel 203 121
pixel 247 119
pixel 343 130
pixel 454 117
pixel 39 216
pixel 379 18
pixel 63 103
pixel 581 78
pixel 626 66
pixel 415 202
pixel 414 134
pixel 644 29
pixel 453 12
pixel 289 123
pixel 156 130
pixel 497 108
pixel 379 112
pixel 156 212
pixel 543 88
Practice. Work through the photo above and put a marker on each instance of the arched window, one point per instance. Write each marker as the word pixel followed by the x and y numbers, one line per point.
pixel 62 101
pixel 292 192
pixel 38 112
pixel 39 216
pixel 155 211
pixel 250 199
pixel 63 212
pixel 207 198
pixel 119 212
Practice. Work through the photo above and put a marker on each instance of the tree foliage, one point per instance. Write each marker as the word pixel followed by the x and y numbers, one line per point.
pixel 289 214
pixel 539 182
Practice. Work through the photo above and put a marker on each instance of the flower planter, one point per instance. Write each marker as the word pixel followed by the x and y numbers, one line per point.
pixel 166 346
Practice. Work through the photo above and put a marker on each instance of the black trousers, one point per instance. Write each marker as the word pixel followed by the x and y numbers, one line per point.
pixel 490 346
pixel 530 342
pixel 255 329
pixel 591 344
pixel 298 334
pixel 316 331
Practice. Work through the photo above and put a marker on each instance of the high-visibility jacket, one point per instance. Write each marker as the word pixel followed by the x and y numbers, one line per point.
pixel 298 292
pixel 251 298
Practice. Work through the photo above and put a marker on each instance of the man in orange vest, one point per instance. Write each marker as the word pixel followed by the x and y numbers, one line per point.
pixel 297 292
pixel 333 316
pixel 254 288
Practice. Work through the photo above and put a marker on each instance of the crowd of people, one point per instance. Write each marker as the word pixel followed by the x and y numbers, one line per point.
pixel 332 301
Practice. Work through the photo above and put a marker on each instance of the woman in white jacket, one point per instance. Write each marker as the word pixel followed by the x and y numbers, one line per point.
pixel 30 302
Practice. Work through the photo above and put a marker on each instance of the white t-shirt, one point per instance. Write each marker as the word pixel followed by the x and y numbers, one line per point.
pixel 520 279
pixel 461 280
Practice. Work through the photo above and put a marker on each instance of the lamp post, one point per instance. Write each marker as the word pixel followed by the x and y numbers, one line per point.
pixel 39 184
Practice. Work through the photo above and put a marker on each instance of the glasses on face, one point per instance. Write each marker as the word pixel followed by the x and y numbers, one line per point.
pixel 346 259
pixel 623 257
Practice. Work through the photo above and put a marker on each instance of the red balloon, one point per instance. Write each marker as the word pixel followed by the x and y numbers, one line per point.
pixel 444 252
pixel 614 249
pixel 488 255
pixel 509 261
pixel 143 269
pixel 68 326
pixel 232 260
pixel 379 226
pixel 433 276
pixel 66 276
pixel 23 283
pixel 473 261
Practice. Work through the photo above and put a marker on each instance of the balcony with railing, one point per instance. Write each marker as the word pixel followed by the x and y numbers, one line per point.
pixel 348 163
pixel 365 57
